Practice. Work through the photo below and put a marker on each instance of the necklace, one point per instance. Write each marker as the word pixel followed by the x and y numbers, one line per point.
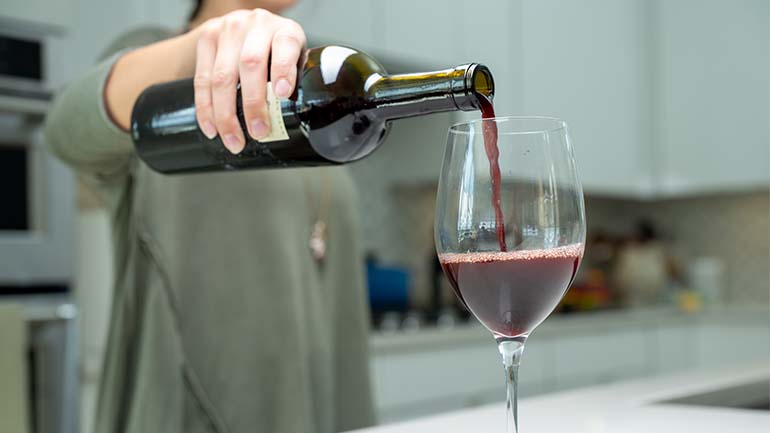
pixel 318 233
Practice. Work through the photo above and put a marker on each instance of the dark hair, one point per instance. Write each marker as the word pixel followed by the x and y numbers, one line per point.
pixel 195 10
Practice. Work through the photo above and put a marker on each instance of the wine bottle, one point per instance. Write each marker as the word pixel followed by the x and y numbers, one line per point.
pixel 340 112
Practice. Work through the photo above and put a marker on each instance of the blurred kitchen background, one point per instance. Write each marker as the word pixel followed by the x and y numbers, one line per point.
pixel 668 102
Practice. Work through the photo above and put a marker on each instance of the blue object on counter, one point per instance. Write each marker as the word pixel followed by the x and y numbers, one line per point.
pixel 388 287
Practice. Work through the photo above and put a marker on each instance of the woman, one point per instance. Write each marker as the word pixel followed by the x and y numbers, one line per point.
pixel 223 318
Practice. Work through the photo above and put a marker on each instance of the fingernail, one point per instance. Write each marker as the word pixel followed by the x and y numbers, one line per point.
pixel 282 88
pixel 231 142
pixel 258 129
pixel 209 130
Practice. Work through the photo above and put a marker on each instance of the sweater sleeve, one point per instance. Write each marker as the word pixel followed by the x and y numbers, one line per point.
pixel 78 128
pixel 80 132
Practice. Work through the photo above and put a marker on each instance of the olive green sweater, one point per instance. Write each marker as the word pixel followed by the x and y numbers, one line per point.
pixel 221 319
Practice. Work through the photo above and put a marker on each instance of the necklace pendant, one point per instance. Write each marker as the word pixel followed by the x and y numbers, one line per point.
pixel 317 242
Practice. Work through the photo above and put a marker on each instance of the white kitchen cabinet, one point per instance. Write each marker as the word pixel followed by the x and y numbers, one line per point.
pixel 599 357
pixel 626 353
pixel 536 372
pixel 414 35
pixel 723 345
pixel 674 348
pixel 433 371
pixel 95 25
pixel 448 377
pixel 712 95
pixel 663 98
pixel 342 22
pixel 490 33
pixel 576 360
pixel 167 13
pixel 426 380
pixel 423 33
pixel 434 34
pixel 45 15
pixel 587 63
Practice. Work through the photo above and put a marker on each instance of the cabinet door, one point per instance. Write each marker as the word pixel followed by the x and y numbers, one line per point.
pixel 427 381
pixel 341 22
pixel 490 33
pixel 42 13
pixel 586 62
pixel 674 348
pixel 721 345
pixel 422 33
pixel 91 30
pixel 714 72
pixel 580 361
pixel 536 374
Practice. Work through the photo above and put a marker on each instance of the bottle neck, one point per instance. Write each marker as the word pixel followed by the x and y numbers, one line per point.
pixel 407 95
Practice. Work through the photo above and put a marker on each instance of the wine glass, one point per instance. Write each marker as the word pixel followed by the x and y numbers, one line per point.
pixel 510 227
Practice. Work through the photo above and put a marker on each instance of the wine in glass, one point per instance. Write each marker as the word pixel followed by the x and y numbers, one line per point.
pixel 510 226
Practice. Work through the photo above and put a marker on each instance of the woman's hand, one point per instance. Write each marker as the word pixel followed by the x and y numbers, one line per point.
pixel 238 47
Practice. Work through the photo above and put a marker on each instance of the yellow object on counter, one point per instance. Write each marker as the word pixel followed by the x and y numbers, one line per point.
pixel 689 301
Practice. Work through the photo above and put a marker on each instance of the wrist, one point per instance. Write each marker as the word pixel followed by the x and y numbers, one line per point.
pixel 168 60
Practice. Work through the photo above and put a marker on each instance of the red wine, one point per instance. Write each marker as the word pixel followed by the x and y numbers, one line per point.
pixel 340 112
pixel 493 153
pixel 512 292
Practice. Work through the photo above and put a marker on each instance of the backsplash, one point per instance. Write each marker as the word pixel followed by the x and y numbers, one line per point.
pixel 395 192
pixel 734 228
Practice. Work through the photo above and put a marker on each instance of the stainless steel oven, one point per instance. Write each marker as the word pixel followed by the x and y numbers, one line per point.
pixel 36 191
pixel 37 202
pixel 37 208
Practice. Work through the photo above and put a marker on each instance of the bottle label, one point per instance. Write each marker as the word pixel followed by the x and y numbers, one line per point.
pixel 277 127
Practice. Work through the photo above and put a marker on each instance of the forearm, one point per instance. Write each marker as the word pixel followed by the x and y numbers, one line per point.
pixel 133 72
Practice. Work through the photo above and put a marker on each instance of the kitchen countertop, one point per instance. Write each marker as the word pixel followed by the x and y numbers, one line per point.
pixel 564 324
pixel 623 407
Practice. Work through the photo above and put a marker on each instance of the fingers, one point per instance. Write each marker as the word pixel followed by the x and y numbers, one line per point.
pixel 224 79
pixel 239 46
pixel 287 46
pixel 253 71
pixel 204 64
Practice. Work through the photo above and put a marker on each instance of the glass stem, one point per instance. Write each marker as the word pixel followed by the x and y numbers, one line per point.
pixel 511 350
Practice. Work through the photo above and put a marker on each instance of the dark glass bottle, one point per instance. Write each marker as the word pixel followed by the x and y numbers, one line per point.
pixel 339 113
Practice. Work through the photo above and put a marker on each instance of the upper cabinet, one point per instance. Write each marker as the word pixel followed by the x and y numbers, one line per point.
pixel 663 98
pixel 423 32
pixel 587 62
pixel 43 15
pixel 489 32
pixel 712 97
pixel 342 22
pixel 436 34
